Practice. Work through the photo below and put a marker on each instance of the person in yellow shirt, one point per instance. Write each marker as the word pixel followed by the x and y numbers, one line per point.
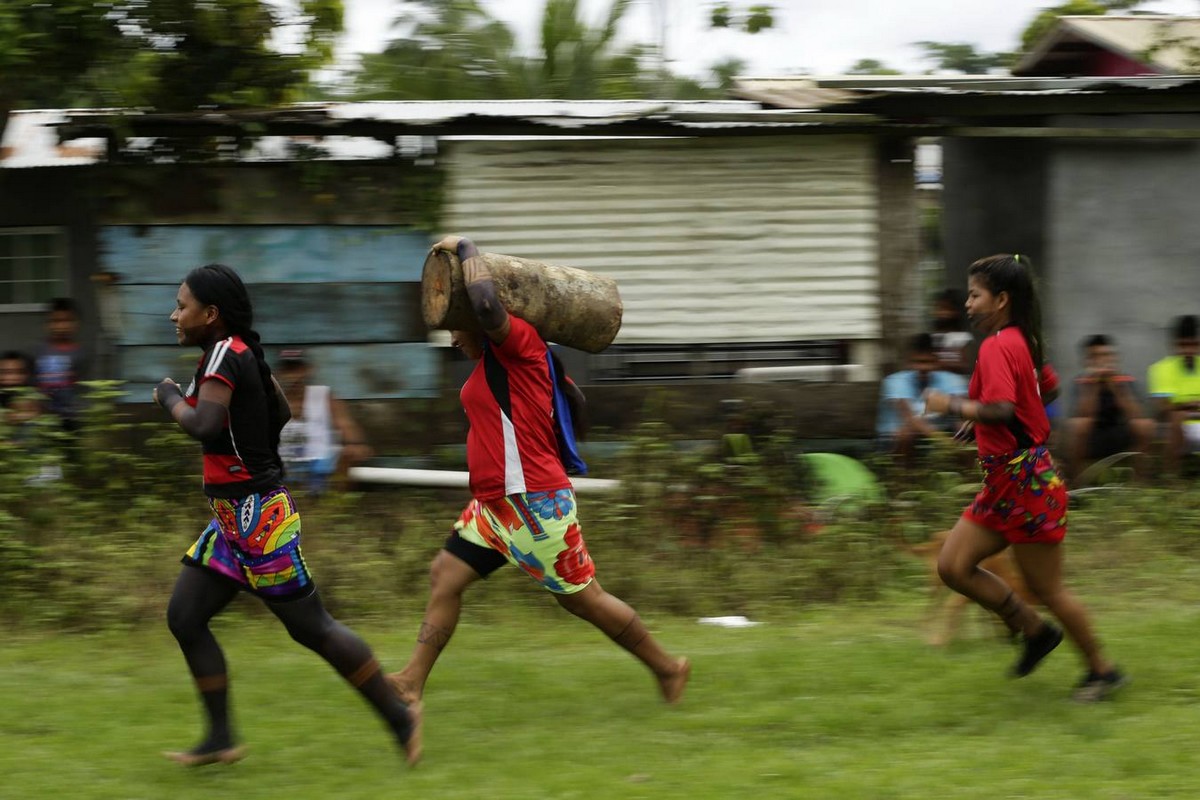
pixel 1174 383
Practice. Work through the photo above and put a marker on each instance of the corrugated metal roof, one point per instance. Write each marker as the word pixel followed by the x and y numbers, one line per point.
pixel 348 131
pixel 380 130
pixel 564 112
pixel 31 140
pixel 838 92
pixel 1168 44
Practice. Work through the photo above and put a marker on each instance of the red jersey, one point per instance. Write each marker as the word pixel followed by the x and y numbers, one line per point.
pixel 1004 372
pixel 239 460
pixel 508 399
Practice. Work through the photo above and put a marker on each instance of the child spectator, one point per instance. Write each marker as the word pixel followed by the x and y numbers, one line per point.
pixel 1106 416
pixel 18 397
pixel 60 362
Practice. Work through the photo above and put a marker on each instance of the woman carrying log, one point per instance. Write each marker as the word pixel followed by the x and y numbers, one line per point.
pixel 523 510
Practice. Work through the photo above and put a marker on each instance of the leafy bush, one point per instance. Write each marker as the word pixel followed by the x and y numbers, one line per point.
pixel 691 532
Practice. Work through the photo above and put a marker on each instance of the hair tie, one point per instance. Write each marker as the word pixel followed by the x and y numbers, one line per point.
pixel 1017 258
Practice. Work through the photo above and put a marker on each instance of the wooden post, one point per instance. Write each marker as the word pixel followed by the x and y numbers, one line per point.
pixel 568 306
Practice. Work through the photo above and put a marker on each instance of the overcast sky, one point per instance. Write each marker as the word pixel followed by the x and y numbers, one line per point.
pixel 815 36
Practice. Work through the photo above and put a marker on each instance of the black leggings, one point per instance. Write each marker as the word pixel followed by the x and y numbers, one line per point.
pixel 200 595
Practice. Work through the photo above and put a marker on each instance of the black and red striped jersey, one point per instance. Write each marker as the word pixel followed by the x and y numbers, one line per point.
pixel 239 460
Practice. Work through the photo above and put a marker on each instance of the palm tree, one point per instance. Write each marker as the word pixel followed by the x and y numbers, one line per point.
pixel 450 50
pixel 454 50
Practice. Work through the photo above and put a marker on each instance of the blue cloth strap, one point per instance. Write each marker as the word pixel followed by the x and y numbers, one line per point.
pixel 564 427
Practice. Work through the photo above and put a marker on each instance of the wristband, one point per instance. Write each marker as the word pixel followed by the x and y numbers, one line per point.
pixel 956 406
pixel 169 394
pixel 465 249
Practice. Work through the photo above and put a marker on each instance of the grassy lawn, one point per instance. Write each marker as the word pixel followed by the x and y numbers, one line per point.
pixel 832 702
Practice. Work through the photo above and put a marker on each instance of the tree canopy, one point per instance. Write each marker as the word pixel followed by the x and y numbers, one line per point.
pixel 168 54
pixel 455 50
pixel 871 66
pixel 963 57
pixel 1045 19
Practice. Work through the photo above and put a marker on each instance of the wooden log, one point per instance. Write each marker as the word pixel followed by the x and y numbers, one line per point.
pixel 568 306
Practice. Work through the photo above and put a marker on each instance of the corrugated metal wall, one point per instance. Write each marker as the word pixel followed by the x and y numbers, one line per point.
pixel 347 294
pixel 710 240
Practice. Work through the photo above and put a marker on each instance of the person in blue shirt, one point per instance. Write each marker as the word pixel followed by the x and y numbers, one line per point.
pixel 901 425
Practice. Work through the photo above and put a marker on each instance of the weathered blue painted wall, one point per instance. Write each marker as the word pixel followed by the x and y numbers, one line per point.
pixel 348 294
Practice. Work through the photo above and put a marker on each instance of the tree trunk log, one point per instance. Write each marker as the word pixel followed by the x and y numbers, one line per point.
pixel 566 305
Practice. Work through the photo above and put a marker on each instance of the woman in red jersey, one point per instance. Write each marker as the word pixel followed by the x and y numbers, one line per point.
pixel 1023 501
pixel 523 508
pixel 236 409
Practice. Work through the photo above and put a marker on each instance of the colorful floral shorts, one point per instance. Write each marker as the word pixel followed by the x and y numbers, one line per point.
pixel 1022 498
pixel 255 542
pixel 536 531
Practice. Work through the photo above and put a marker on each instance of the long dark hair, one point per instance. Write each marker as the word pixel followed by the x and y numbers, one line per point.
pixel 218 285
pixel 1014 274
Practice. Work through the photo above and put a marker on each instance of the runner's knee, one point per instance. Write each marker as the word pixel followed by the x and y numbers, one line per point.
pixel 953 571
pixel 306 620
pixel 310 631
pixel 583 603
pixel 185 625
pixel 574 603
pixel 446 576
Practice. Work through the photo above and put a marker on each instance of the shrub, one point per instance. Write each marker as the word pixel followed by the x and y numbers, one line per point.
pixel 690 532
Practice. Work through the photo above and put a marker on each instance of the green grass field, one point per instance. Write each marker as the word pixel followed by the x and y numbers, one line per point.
pixel 832 702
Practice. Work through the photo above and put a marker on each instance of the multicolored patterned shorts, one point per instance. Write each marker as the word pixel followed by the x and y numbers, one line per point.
pixel 1022 498
pixel 255 542
pixel 537 531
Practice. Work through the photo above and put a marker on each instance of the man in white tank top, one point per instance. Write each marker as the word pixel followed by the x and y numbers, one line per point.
pixel 321 440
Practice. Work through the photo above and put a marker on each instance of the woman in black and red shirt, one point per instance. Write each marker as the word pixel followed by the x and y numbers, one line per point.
pixel 235 408
pixel 1023 501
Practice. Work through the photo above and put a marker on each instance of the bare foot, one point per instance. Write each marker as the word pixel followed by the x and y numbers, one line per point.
pixel 226 755
pixel 412 747
pixel 672 685
pixel 404 688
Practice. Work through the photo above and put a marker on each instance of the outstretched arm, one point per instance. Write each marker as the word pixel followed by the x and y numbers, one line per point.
pixel 987 413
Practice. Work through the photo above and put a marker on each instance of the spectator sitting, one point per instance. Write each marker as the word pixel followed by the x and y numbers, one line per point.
pixel 1106 416
pixel 60 363
pixel 901 424
pixel 21 407
pixel 951 339
pixel 321 439
pixel 19 399
pixel 1175 385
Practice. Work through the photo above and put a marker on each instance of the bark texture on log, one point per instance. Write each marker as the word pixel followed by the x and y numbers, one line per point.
pixel 568 306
